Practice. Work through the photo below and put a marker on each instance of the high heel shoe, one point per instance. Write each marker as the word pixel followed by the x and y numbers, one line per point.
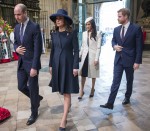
pixel 80 97
pixel 62 128
pixel 92 93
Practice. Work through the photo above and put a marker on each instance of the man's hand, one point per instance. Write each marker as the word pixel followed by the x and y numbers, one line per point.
pixel 50 70
pixel 136 66
pixel 75 72
pixel 118 48
pixel 21 50
pixel 33 72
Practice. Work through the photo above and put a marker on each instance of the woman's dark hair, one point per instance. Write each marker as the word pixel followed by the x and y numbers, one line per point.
pixel 94 32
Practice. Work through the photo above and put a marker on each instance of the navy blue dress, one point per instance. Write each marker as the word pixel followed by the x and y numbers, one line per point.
pixel 64 58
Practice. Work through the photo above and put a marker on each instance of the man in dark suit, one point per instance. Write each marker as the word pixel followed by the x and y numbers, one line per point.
pixel 28 45
pixel 127 41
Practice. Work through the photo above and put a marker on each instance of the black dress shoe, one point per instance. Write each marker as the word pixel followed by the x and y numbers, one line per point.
pixel 31 119
pixel 107 105
pixel 126 101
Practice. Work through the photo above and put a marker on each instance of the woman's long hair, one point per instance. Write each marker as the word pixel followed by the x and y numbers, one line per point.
pixel 94 32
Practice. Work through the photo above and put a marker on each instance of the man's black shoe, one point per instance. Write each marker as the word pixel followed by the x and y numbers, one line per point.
pixel 31 119
pixel 107 105
pixel 126 101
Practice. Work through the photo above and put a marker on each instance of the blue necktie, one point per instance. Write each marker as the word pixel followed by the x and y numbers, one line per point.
pixel 21 33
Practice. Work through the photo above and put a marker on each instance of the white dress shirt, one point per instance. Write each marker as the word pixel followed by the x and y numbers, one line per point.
pixel 125 29
pixel 25 25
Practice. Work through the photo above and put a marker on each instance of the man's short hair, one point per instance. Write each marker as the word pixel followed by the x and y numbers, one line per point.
pixel 23 7
pixel 125 12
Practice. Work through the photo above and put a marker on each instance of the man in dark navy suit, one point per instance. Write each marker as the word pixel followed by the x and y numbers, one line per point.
pixel 28 45
pixel 127 41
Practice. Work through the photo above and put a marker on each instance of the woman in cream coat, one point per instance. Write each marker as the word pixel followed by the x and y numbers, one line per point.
pixel 89 55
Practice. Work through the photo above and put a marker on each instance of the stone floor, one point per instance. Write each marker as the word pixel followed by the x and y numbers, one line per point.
pixel 85 115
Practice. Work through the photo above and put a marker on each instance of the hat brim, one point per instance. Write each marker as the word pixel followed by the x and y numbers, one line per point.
pixel 53 18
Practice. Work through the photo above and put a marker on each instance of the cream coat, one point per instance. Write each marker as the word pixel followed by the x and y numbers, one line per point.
pixel 94 50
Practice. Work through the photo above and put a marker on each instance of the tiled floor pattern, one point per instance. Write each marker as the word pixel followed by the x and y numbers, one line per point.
pixel 85 115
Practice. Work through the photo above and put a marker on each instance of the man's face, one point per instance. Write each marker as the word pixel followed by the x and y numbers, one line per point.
pixel 19 15
pixel 121 19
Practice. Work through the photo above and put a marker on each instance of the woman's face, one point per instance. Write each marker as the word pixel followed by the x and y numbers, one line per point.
pixel 88 26
pixel 60 22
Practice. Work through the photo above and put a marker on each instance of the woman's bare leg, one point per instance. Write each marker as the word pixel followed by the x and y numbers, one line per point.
pixel 67 103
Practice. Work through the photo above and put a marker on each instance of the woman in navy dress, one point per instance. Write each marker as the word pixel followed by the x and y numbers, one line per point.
pixel 64 60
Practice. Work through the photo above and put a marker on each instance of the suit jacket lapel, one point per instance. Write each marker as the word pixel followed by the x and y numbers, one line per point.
pixel 18 33
pixel 26 30
pixel 129 30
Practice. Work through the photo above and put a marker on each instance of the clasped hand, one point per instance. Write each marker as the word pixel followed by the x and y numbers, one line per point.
pixel 21 50
pixel 118 48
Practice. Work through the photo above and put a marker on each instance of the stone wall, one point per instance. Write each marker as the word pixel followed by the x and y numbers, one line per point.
pixel 49 7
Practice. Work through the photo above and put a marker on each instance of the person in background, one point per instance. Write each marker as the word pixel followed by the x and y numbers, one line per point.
pixel 14 54
pixel 43 40
pixel 89 54
pixel 1 45
pixel 5 54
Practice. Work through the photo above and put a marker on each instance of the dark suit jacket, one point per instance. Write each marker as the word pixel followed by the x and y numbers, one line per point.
pixel 32 41
pixel 132 45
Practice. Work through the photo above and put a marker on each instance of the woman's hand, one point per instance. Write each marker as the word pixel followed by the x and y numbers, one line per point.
pixel 95 63
pixel 75 72
pixel 50 70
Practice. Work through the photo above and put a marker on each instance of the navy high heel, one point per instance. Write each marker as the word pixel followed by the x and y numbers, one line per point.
pixel 62 128
pixel 80 97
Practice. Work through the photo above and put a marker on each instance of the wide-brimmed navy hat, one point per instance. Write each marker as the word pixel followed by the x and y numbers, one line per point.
pixel 61 12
